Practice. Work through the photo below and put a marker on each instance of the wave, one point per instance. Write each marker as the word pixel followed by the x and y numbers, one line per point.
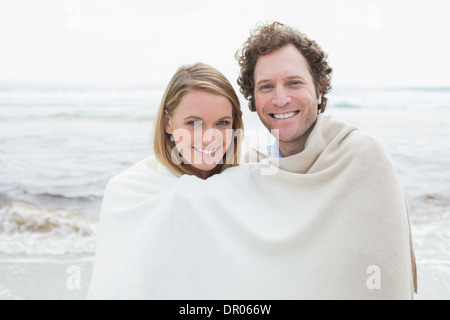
pixel 31 230
pixel 41 95
pixel 425 89
pixel 391 98
pixel 430 224
pixel 111 117
pixel 66 197
pixel 133 104
pixel 102 114
pixel 430 206
pixel 346 105
pixel 34 230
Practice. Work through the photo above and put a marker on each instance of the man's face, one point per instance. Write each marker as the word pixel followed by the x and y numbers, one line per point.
pixel 285 96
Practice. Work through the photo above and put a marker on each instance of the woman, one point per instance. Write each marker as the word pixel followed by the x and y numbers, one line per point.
pixel 200 110
pixel 198 131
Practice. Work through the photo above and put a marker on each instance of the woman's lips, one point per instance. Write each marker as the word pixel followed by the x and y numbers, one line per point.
pixel 208 153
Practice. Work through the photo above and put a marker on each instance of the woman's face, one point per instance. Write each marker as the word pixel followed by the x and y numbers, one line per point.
pixel 201 126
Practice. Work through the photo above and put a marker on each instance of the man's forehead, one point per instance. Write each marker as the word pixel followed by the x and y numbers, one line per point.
pixel 286 62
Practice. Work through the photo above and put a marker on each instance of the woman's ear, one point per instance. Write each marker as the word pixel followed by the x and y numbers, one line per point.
pixel 167 123
pixel 319 100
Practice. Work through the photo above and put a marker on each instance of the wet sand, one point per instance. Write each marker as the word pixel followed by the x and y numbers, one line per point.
pixel 45 277
pixel 52 278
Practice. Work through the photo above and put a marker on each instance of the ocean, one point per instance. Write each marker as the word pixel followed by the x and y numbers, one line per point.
pixel 60 145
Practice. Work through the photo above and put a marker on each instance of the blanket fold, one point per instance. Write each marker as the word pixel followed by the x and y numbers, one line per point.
pixel 328 223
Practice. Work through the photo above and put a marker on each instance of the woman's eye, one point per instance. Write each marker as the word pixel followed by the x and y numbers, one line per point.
pixel 223 123
pixel 195 123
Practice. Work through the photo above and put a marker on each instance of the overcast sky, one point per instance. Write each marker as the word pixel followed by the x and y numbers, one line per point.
pixel 370 43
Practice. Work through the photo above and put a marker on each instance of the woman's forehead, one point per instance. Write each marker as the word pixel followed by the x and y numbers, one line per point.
pixel 203 105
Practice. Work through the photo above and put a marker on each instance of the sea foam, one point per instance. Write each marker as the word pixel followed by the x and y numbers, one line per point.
pixel 26 229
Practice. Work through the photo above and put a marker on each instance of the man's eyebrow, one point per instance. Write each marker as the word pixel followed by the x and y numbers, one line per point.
pixel 260 82
pixel 295 77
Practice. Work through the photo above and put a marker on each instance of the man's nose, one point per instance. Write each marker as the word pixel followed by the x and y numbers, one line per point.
pixel 281 97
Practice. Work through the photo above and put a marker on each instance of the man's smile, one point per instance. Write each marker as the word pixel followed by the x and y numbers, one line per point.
pixel 283 116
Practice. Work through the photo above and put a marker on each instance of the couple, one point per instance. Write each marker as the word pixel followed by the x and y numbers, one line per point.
pixel 331 222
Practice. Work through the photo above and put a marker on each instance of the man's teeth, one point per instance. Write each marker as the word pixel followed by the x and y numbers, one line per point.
pixel 207 152
pixel 285 115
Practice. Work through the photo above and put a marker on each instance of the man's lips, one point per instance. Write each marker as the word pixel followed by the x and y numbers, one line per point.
pixel 285 115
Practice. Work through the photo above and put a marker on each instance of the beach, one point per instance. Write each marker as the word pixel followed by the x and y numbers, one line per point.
pixel 60 145
pixel 45 277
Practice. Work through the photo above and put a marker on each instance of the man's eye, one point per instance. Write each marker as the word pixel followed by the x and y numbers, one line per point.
pixel 266 87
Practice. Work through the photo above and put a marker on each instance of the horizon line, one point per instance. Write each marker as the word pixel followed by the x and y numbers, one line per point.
pixel 67 84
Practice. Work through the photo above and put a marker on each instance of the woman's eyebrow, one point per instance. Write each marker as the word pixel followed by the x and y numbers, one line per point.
pixel 199 118
pixel 193 117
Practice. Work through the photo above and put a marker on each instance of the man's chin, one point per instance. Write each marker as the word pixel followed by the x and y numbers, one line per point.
pixel 283 136
pixel 289 135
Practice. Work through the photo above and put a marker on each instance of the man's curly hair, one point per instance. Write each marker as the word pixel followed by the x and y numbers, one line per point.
pixel 265 39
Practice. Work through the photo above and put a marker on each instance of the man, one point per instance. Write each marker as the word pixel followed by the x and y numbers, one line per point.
pixel 286 85
pixel 285 77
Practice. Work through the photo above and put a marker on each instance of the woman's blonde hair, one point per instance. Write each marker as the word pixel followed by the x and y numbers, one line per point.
pixel 190 78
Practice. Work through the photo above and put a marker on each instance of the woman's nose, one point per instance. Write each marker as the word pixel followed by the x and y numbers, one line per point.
pixel 211 135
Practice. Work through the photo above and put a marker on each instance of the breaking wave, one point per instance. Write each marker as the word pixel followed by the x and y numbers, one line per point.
pixel 31 230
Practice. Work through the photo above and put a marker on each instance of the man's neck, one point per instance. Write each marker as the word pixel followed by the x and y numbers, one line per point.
pixel 291 148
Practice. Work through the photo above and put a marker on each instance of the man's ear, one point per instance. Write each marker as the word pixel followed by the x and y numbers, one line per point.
pixel 167 123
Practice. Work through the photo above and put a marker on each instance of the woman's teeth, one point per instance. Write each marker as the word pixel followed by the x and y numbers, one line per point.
pixel 285 115
pixel 207 152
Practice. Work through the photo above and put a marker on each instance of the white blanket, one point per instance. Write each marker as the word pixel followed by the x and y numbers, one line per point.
pixel 332 223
